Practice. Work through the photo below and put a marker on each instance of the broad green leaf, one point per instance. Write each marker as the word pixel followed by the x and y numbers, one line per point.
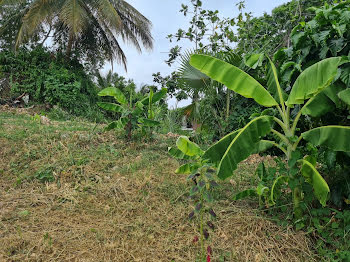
pixel 243 145
pixel 336 138
pixel 187 169
pixel 253 60
pixel 276 188
pixel 324 102
pixel 233 78
pixel 110 107
pixel 156 96
pixel 138 109
pixel 320 186
pixel 149 122
pixel 313 80
pixel 188 147
pixel 217 151
pixel 114 92
pixel 177 153
pixel 245 194
pixel 345 96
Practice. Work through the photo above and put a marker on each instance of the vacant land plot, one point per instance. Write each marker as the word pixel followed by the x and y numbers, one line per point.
pixel 70 192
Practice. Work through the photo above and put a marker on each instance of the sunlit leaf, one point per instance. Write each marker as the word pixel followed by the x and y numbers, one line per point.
pixel 187 169
pixel 177 153
pixel 233 78
pixel 114 92
pixel 188 147
pixel 313 80
pixel 253 60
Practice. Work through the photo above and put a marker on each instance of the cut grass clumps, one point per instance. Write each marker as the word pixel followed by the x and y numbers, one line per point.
pixel 96 198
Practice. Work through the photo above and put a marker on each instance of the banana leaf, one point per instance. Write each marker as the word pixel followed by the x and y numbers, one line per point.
pixel 114 92
pixel 188 147
pixel 313 80
pixel 313 177
pixel 242 145
pixel 233 78
pixel 336 138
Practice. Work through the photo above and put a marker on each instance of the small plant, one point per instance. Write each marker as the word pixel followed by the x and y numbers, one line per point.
pixel 45 175
pixel 270 184
pixel 36 118
pixel 201 175
pixel 131 114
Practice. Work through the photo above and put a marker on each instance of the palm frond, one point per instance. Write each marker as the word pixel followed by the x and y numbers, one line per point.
pixel 108 12
pixel 111 45
pixel 37 13
pixel 74 16
pixel 190 77
pixel 135 23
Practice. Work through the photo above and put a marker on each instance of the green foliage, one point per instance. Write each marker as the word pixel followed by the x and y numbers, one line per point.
pixel 51 80
pixel 237 146
pixel 309 84
pixel 270 32
pixel 131 113
pixel 45 175
pixel 324 36
pixel 200 173
pixel 333 227
pixel 253 89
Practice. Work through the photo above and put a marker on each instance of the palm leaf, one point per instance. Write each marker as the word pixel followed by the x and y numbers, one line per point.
pixel 191 77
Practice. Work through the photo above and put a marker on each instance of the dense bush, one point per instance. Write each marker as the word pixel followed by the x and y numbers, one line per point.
pixel 51 79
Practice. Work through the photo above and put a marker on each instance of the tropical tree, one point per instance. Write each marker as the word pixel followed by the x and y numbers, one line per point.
pixel 83 24
pixel 306 91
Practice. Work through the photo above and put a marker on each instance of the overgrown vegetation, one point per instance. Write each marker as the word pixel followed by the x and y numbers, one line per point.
pixel 259 86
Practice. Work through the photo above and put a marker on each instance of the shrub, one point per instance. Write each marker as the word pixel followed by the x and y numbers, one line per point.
pixel 51 80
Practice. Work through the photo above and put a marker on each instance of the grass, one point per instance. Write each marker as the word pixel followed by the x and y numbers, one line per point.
pixel 70 192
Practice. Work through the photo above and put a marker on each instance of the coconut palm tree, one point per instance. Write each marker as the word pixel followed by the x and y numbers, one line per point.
pixel 105 22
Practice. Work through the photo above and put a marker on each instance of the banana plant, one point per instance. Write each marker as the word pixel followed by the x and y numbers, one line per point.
pixel 306 91
pixel 132 114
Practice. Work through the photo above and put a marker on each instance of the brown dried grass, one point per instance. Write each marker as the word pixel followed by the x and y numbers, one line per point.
pixel 121 205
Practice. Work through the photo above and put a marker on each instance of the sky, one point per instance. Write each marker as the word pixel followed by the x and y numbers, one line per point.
pixel 166 19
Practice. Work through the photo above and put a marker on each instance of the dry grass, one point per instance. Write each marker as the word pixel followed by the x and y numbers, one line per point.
pixel 112 201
